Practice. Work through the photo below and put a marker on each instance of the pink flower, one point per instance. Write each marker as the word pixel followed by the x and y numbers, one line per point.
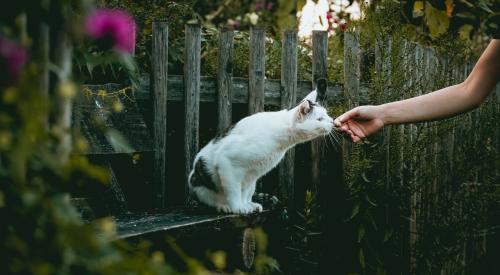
pixel 328 15
pixel 259 5
pixel 343 26
pixel 118 25
pixel 269 6
pixel 12 59
pixel 236 24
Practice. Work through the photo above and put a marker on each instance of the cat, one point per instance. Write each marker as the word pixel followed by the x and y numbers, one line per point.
pixel 225 171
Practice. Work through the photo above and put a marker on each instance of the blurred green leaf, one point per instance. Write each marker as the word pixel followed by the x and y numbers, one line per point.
pixel 437 20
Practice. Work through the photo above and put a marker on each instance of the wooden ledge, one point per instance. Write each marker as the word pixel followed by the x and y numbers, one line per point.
pixel 183 221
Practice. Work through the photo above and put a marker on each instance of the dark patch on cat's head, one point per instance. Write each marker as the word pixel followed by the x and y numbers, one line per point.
pixel 222 134
pixel 201 176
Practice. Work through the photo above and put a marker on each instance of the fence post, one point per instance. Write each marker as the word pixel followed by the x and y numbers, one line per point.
pixel 159 97
pixel 288 99
pixel 320 76
pixel 192 53
pixel 415 198
pixel 256 74
pixel 225 79
pixel 257 69
pixel 352 75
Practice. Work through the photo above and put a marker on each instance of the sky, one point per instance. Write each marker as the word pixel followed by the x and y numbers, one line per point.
pixel 309 16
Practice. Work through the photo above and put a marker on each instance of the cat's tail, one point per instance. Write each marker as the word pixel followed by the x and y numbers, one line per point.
pixel 206 196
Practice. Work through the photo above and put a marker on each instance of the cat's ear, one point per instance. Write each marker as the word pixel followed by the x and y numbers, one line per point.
pixel 305 108
pixel 312 96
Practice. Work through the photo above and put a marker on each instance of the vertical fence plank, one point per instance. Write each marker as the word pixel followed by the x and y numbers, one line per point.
pixel 257 69
pixel 416 192
pixel 256 75
pixel 320 76
pixel 225 79
pixel 159 97
pixel 352 69
pixel 352 75
pixel 288 99
pixel 192 53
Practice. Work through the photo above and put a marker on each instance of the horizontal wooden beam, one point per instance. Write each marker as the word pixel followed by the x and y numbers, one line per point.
pixel 208 90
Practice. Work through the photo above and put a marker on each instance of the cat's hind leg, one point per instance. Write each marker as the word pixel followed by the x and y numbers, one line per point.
pixel 231 179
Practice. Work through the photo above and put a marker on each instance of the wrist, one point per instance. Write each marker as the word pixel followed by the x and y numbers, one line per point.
pixel 383 114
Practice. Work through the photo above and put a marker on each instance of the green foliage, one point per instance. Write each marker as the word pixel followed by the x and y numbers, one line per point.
pixel 454 16
pixel 436 180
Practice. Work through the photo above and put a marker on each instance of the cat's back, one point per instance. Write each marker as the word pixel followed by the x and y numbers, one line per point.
pixel 260 122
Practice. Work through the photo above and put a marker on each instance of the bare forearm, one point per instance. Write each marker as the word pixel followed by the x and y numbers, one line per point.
pixel 451 100
pixel 436 105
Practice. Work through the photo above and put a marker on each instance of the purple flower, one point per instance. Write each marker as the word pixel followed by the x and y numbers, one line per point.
pixel 12 59
pixel 270 6
pixel 115 25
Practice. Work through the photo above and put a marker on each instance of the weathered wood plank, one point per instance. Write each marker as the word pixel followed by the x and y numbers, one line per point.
pixel 272 93
pixel 352 69
pixel 319 75
pixel 159 102
pixel 181 222
pixel 224 79
pixel 352 75
pixel 320 64
pixel 192 60
pixel 288 99
pixel 114 193
pixel 257 69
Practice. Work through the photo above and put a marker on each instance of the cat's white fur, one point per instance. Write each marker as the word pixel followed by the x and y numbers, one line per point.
pixel 252 148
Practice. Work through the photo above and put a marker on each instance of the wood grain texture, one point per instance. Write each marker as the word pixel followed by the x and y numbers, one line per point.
pixel 192 60
pixel 352 76
pixel 225 79
pixel 320 61
pixel 320 75
pixel 257 69
pixel 159 81
pixel 288 99
pixel 272 90
pixel 183 221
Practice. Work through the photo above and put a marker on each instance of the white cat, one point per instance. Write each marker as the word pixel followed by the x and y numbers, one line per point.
pixel 226 169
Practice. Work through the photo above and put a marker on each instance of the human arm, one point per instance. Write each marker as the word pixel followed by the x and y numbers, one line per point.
pixel 363 121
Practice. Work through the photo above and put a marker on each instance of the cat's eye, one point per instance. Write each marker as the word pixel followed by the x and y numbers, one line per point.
pixel 320 119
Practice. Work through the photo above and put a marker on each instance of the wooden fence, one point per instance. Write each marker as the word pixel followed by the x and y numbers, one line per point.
pixel 256 91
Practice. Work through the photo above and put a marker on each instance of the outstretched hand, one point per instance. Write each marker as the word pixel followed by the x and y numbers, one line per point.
pixel 360 122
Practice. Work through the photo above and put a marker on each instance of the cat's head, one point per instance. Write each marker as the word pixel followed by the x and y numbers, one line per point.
pixel 312 119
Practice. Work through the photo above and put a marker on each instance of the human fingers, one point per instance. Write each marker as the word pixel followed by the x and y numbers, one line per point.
pixel 346 116
pixel 357 128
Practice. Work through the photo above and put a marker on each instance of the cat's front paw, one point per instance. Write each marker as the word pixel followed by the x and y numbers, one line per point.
pixel 242 209
pixel 256 207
